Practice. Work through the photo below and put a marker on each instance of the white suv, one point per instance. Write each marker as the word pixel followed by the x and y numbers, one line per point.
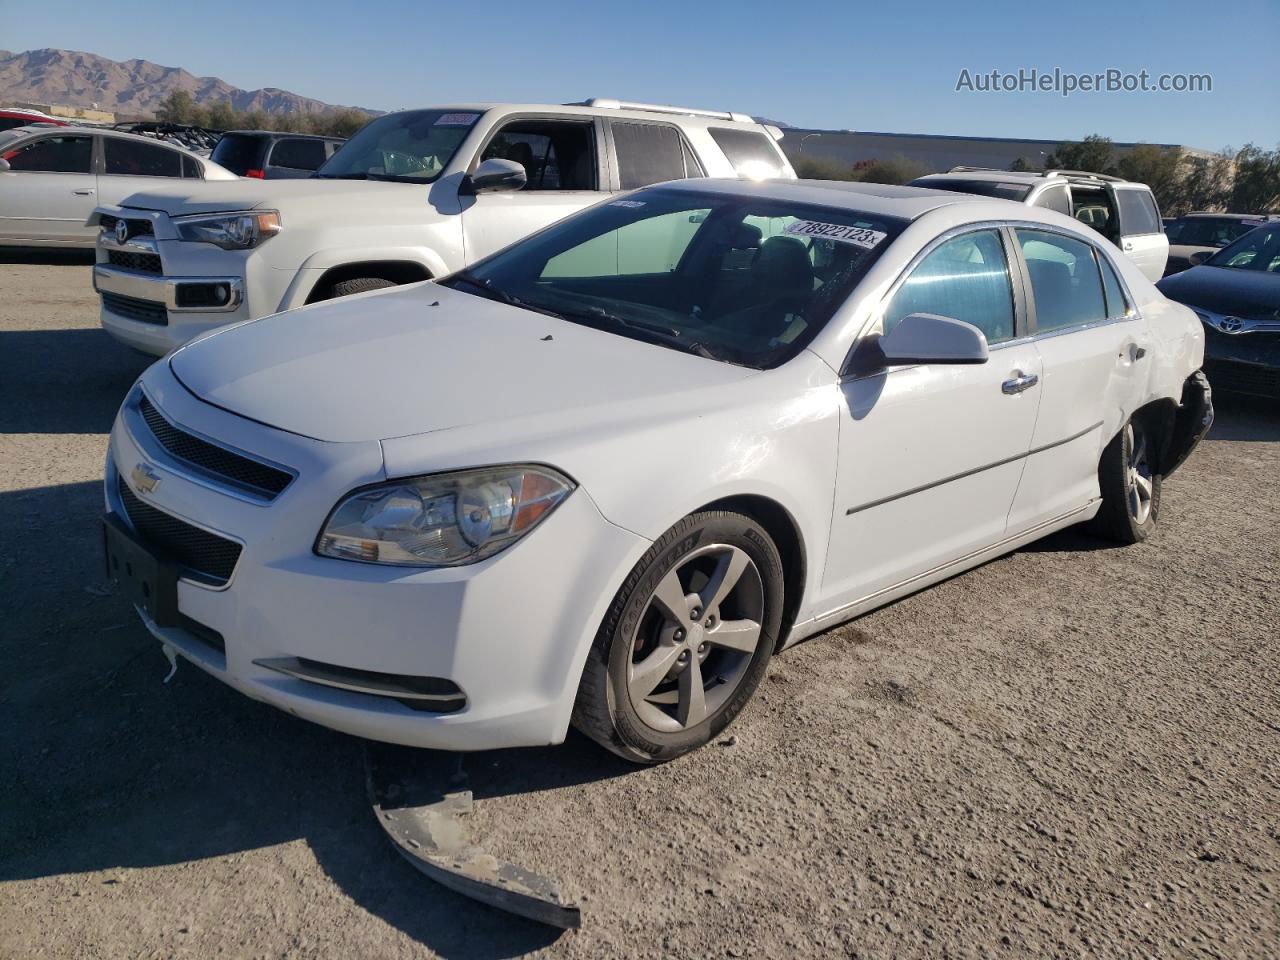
pixel 1124 212
pixel 412 196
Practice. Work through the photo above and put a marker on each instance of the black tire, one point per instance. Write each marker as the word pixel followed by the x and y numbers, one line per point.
pixel 697 548
pixel 345 288
pixel 1126 515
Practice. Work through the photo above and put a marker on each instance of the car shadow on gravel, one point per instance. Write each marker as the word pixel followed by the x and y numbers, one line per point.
pixel 1241 418
pixel 64 381
pixel 105 768
pixel 49 257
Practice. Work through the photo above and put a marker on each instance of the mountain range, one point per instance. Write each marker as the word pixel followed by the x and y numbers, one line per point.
pixel 128 87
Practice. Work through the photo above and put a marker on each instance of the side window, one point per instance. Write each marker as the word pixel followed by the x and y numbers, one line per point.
pixel 54 155
pixel 190 169
pixel 556 155
pixel 134 159
pixel 652 245
pixel 1117 304
pixel 298 154
pixel 650 153
pixel 1055 198
pixel 751 154
pixel 1064 280
pixel 967 278
pixel 1137 213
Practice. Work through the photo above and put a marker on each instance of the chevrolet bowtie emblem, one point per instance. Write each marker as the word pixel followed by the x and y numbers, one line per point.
pixel 144 478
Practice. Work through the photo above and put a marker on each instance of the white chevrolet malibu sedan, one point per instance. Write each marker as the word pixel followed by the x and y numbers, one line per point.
pixel 603 475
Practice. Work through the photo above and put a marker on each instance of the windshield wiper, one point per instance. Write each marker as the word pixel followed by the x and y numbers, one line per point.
pixel 659 333
pixel 490 292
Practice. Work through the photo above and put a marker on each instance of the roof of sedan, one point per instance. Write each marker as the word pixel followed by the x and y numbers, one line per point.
pixel 878 198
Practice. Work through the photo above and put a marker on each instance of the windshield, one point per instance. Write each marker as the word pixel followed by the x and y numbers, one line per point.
pixel 412 147
pixel 1256 250
pixel 985 188
pixel 746 280
pixel 1209 231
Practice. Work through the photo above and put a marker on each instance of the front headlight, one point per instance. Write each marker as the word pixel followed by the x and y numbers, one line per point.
pixel 230 231
pixel 444 520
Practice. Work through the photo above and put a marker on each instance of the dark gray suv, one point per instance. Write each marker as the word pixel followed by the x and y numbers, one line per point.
pixel 269 155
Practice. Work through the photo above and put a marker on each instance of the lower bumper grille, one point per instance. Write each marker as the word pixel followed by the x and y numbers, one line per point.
pixel 209 557
pixel 1256 379
pixel 145 311
pixel 140 262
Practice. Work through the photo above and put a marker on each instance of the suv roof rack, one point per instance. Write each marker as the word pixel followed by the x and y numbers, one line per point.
pixel 608 103
pixel 1042 173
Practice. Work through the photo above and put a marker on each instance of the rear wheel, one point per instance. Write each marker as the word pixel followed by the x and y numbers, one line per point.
pixel 1130 486
pixel 685 642
pixel 345 288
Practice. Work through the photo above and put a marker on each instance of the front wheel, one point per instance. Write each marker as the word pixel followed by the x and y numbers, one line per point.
pixel 346 288
pixel 686 640
pixel 1130 486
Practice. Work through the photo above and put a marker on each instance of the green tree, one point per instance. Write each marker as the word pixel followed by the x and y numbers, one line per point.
pixel 1160 168
pixel 810 167
pixel 1256 188
pixel 1093 153
pixel 177 107
pixel 222 116
pixel 1206 183
pixel 1021 165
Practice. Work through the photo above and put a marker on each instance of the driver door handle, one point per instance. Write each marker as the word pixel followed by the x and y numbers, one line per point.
pixel 1020 383
pixel 86 192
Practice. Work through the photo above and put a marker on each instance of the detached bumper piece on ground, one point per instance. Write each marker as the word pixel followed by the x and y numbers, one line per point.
pixel 422 800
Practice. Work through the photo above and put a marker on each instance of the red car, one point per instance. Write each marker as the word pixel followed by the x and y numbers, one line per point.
pixel 11 117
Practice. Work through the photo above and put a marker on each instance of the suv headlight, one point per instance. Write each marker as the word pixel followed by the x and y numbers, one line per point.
pixel 443 520
pixel 230 231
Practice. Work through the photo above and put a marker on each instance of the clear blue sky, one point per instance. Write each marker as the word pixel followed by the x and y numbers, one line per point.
pixel 887 66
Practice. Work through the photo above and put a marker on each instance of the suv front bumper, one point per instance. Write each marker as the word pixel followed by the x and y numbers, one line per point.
pixel 153 313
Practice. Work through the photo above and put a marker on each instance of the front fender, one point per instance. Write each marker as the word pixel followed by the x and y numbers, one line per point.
pixel 315 266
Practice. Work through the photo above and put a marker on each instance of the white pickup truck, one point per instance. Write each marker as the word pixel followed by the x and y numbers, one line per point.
pixel 412 196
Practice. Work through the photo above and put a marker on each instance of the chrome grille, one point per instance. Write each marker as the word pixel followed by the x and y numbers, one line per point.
pixel 146 311
pixel 209 557
pixel 209 458
pixel 137 228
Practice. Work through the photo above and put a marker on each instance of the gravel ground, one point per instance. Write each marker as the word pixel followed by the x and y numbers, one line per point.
pixel 1073 750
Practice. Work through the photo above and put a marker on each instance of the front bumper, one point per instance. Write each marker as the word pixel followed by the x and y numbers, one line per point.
pixel 511 632
pixel 1246 363
pixel 169 325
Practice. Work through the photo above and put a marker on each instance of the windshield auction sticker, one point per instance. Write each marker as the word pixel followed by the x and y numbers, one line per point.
pixel 859 236
pixel 456 119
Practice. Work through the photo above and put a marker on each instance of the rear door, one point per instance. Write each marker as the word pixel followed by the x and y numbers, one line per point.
pixel 930 455
pixel 1094 349
pixel 562 159
pixel 1142 236
pixel 130 165
pixel 49 191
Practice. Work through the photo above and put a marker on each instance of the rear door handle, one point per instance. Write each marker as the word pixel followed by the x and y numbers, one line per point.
pixel 87 192
pixel 1020 383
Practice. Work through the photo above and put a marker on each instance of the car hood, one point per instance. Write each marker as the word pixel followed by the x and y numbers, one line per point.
pixel 1252 294
pixel 427 358
pixel 247 194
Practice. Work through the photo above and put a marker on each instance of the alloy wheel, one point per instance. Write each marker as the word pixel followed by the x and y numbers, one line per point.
pixel 1139 482
pixel 696 638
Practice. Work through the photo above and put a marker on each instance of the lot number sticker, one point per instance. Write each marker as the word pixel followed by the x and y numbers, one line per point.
pixel 456 119
pixel 859 236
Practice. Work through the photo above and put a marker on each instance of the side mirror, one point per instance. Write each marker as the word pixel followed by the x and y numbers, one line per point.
pixel 1200 256
pixel 4 165
pixel 495 175
pixel 929 338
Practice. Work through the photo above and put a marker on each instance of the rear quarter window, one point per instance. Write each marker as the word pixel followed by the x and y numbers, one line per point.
pixel 752 154
pixel 298 154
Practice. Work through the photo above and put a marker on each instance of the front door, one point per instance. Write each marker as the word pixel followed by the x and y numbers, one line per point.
pixel 931 455
pixel 49 191
pixel 561 159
